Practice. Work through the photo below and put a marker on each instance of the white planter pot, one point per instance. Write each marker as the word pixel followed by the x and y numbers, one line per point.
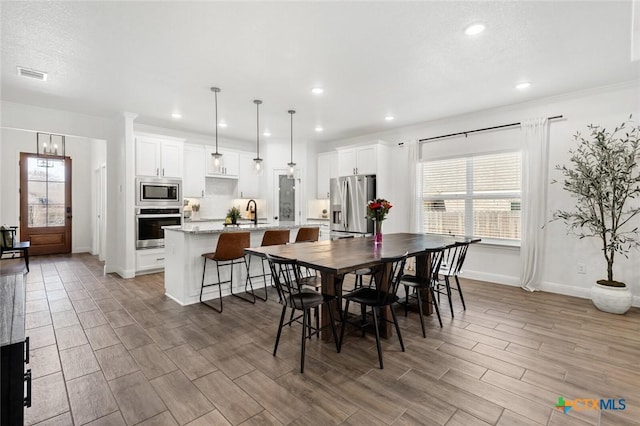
pixel 615 300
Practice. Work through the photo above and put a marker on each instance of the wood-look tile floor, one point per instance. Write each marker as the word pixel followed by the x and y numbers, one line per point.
pixel 108 351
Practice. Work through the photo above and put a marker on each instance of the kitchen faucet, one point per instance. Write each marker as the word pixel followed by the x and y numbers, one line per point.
pixel 255 210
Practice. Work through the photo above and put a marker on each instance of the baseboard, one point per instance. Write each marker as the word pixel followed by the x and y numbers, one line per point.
pixel 82 250
pixel 174 299
pixel 124 273
pixel 492 278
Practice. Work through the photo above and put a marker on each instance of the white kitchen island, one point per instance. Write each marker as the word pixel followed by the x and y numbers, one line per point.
pixel 184 246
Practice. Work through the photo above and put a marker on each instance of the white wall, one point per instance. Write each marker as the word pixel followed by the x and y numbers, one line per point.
pixel 80 150
pixel 607 106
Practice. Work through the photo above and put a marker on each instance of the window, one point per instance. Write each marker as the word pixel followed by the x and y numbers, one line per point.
pixel 478 195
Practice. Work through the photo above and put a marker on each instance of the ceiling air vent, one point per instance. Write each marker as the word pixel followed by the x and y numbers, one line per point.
pixel 38 75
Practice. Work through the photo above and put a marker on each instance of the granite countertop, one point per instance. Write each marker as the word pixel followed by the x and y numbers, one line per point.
pixel 216 227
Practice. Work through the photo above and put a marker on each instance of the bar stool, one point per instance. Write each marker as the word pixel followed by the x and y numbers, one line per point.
pixel 271 237
pixel 308 234
pixel 229 252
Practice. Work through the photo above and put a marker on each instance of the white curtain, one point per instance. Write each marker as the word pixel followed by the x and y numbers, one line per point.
pixel 415 193
pixel 535 165
pixel 415 212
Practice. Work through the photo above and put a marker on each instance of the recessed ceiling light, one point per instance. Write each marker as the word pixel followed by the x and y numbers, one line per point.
pixel 389 118
pixel 523 85
pixel 222 124
pixel 474 29
pixel 266 133
pixel 317 90
pixel 319 129
pixel 176 115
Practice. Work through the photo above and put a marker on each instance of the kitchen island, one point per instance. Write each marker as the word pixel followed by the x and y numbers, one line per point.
pixel 184 246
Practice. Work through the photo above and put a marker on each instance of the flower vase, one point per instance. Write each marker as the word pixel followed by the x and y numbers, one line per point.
pixel 377 233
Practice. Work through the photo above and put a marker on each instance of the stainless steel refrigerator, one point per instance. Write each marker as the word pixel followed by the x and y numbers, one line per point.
pixel 349 196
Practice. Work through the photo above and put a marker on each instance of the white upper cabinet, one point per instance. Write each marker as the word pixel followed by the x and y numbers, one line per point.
pixel 361 160
pixel 248 180
pixel 327 169
pixel 229 164
pixel 193 182
pixel 159 157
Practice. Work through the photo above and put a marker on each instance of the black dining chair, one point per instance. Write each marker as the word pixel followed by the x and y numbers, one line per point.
pixel 9 244
pixel 415 285
pixel 285 273
pixel 382 295
pixel 271 237
pixel 452 262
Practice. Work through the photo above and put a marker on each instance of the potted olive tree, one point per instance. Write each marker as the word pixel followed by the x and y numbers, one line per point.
pixel 604 179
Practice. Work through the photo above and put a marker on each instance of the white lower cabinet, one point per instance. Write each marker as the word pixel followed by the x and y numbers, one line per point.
pixel 149 259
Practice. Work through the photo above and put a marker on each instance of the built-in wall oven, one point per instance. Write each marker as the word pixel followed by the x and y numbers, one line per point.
pixel 156 192
pixel 149 223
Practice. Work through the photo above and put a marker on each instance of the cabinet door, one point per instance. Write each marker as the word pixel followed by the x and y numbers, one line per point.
pixel 248 181
pixel 147 157
pixel 171 159
pixel 231 163
pixel 333 165
pixel 324 166
pixel 366 160
pixel 346 162
pixel 193 182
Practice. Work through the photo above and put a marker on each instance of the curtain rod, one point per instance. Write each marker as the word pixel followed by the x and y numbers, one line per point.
pixel 555 117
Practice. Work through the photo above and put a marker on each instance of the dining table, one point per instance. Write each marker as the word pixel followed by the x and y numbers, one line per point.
pixel 333 259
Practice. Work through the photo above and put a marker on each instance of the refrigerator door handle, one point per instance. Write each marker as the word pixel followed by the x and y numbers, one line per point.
pixel 345 206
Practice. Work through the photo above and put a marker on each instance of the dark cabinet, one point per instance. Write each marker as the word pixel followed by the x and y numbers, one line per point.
pixel 15 386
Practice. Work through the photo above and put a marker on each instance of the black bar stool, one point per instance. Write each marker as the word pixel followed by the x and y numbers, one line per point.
pixel 271 237
pixel 229 252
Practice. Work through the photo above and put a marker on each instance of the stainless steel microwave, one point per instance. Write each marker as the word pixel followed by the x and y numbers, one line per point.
pixel 158 192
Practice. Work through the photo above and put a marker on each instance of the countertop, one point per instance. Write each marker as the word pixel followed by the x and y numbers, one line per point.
pixel 12 309
pixel 211 227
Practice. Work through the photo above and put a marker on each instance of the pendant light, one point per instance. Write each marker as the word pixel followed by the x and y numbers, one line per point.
pixel 216 155
pixel 291 164
pixel 257 161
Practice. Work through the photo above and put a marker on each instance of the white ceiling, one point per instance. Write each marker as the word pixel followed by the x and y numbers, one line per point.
pixel 408 59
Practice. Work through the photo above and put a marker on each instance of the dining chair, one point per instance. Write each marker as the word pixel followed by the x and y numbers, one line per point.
pixel 285 273
pixel 452 262
pixel 271 237
pixel 229 252
pixel 377 297
pixel 415 285
pixel 9 244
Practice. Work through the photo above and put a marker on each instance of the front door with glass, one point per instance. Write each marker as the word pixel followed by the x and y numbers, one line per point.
pixel 45 203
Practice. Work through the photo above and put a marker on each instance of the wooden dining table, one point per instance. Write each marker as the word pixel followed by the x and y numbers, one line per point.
pixel 336 258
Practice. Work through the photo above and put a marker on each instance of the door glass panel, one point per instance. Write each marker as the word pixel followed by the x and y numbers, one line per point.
pixel 46 192
pixel 55 216
pixel 287 200
pixel 37 216
pixel 56 193
pixel 37 193
pixel 56 171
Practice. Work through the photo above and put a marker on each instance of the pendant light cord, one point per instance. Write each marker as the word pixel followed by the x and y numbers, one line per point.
pixel 291 112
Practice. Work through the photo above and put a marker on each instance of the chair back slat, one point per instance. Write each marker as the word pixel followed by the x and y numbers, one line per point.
pixel 454 258
pixel 231 245
pixel 286 277
pixel 386 291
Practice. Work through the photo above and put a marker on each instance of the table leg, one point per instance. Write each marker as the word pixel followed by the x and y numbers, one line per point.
pixel 385 327
pixel 423 270
pixel 331 285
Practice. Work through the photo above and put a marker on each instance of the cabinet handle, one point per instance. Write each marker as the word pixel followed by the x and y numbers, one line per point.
pixel 157 172
pixel 26 349
pixel 163 171
pixel 27 378
pixel 160 258
pixel 202 192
